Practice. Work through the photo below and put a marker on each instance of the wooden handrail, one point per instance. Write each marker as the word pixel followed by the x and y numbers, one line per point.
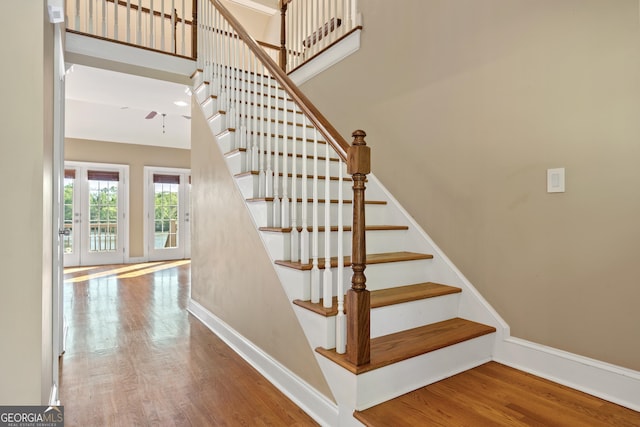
pixel 323 126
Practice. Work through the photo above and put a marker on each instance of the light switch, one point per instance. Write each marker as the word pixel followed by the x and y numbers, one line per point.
pixel 555 180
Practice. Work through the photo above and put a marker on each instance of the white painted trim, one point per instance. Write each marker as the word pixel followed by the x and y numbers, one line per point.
pixel 328 58
pixel 53 395
pixel 606 381
pixel 315 404
pixel 124 195
pixel 137 260
pixel 148 171
pixel 180 69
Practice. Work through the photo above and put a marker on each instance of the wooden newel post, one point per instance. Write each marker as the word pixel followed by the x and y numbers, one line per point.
pixel 282 60
pixel 358 302
pixel 194 29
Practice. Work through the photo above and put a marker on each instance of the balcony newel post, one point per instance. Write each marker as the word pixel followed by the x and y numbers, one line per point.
pixel 358 302
pixel 283 35
pixel 194 29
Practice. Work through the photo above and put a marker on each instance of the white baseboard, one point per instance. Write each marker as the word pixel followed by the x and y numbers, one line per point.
pixel 609 382
pixel 137 260
pixel 53 395
pixel 315 404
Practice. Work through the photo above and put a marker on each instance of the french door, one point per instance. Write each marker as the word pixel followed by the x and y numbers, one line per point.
pixel 167 228
pixel 95 213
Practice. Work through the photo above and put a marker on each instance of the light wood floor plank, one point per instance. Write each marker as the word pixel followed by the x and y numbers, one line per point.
pixel 135 357
pixel 497 395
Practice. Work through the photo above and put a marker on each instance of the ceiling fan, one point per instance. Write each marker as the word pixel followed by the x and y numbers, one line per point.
pixel 153 114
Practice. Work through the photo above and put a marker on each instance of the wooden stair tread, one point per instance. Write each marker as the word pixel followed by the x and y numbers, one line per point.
pixel 335 228
pixel 400 346
pixel 389 296
pixel 346 202
pixel 371 259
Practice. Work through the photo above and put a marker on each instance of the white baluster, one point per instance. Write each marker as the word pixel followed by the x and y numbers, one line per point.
pixel 115 19
pixel 327 282
pixel 233 75
pixel 183 31
pixel 174 48
pixel 104 18
pixel 315 271
pixel 162 20
pixel 76 21
pixel 335 15
pixel 255 153
pixel 341 320
pixel 355 16
pixel 243 102
pixel 128 21
pixel 214 43
pixel 91 17
pixel 269 171
pixel 262 181
pixel 295 242
pixel 139 24
pixel 152 34
pixel 304 235
pixel 277 214
pixel 285 220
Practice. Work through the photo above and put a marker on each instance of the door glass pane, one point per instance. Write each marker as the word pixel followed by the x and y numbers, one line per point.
pixel 103 215
pixel 68 214
pixel 166 215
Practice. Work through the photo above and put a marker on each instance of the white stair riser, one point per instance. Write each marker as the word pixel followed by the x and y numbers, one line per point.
pixel 262 213
pixel 249 186
pixel 399 317
pixel 209 106
pixel 320 330
pixel 386 383
pixel 378 241
pixel 227 140
pixel 416 272
pixel 239 165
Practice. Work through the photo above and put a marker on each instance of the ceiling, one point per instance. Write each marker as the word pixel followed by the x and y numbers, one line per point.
pixel 106 105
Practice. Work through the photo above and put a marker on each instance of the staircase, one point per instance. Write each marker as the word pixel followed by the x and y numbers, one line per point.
pixel 426 321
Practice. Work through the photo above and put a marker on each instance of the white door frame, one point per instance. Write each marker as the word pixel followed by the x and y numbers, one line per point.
pixel 57 301
pixel 184 213
pixel 81 236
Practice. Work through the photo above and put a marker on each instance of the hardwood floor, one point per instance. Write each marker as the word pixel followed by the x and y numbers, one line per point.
pixel 496 395
pixel 135 357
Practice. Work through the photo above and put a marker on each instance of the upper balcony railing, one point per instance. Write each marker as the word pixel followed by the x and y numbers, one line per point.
pixel 164 25
pixel 308 27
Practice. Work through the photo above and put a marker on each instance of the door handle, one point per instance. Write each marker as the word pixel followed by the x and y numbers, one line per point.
pixel 64 231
